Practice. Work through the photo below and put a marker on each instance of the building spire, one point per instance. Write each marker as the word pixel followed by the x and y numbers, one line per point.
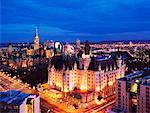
pixel 36 31
pixel 36 40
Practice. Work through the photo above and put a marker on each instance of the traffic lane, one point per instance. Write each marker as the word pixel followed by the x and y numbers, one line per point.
pixel 52 107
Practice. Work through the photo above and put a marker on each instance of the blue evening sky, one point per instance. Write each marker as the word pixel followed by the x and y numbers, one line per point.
pixel 67 20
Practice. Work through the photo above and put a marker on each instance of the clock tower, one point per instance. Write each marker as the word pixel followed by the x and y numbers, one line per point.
pixel 36 40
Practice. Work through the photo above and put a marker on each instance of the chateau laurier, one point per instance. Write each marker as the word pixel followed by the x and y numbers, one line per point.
pixel 84 79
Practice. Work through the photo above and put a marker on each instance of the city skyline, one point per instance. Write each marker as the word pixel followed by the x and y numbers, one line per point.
pixel 75 77
pixel 87 20
pixel 75 56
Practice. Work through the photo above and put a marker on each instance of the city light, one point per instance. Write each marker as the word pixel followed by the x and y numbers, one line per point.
pixel 80 77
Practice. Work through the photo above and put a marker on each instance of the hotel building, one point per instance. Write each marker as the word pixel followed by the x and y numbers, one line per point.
pixel 84 79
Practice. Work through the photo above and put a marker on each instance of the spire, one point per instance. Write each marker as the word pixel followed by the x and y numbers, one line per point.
pixel 36 31
pixel 36 40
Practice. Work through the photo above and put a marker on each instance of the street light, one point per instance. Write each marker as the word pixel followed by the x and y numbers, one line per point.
pixel 48 111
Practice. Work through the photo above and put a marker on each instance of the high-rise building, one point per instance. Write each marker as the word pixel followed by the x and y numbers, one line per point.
pixel 133 92
pixel 36 40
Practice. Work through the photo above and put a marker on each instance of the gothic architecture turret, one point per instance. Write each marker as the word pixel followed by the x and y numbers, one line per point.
pixel 119 60
pixel 87 48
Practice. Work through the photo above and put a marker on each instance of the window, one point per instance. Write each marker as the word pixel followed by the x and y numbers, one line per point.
pixel 147 92
pixel 147 88
pixel 119 88
pixel 147 103
pixel 119 92
pixel 147 99
pixel 119 95
pixel 15 107
pixel 147 107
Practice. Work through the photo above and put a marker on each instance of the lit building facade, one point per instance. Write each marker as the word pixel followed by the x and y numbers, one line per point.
pixel 133 92
pixel 86 79
pixel 27 57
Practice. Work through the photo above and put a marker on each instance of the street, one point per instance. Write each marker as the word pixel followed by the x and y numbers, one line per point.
pixel 48 102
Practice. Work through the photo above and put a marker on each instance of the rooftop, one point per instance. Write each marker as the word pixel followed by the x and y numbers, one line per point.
pixel 147 82
pixel 142 77
pixel 13 97
pixel 147 77
pixel 100 58
pixel 134 75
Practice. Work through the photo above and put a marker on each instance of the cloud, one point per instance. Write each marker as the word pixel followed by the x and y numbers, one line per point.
pixel 30 28
pixel 85 18
pixel 145 35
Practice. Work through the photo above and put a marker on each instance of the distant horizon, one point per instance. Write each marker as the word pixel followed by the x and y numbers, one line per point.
pixel 97 38
pixel 104 41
